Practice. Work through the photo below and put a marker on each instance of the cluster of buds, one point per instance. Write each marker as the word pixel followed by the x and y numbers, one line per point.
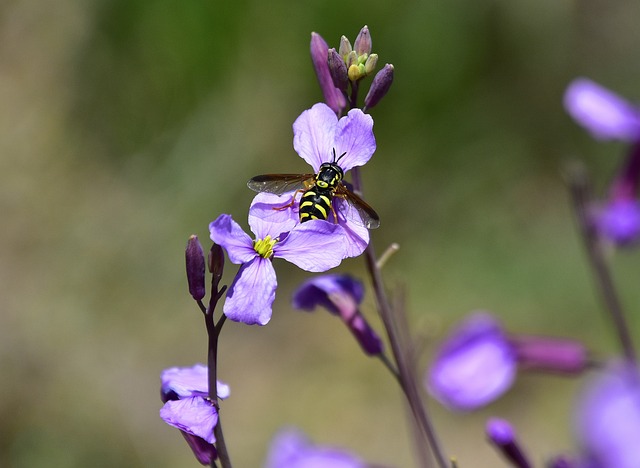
pixel 337 70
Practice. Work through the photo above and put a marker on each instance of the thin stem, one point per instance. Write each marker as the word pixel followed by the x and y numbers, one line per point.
pixel 213 332
pixel 353 98
pixel 581 196
pixel 389 365
pixel 405 366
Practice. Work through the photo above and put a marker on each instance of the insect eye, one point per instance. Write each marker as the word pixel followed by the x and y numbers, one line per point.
pixel 322 184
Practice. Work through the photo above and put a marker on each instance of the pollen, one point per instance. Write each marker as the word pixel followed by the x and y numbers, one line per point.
pixel 264 247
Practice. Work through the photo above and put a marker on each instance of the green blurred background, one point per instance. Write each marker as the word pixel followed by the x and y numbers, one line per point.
pixel 127 125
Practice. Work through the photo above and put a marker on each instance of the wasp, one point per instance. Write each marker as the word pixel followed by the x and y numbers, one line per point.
pixel 318 191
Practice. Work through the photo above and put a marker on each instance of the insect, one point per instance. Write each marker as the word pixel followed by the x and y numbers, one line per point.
pixel 318 191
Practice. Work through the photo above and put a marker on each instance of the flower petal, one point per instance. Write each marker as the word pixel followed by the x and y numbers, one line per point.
pixel 252 292
pixel 475 366
pixel 316 245
pixel 203 450
pixel 182 382
pixel 291 449
pixel 608 418
pixel 267 218
pixel 313 135
pixel 316 291
pixel 602 112
pixel 356 234
pixel 354 136
pixel 193 415
pixel 619 221
pixel 227 233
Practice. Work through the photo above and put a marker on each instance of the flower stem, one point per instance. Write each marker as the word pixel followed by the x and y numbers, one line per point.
pixel 581 194
pixel 396 327
pixel 213 333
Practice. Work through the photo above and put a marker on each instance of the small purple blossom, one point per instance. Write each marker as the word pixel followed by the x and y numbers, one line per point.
pixel 474 366
pixel 184 392
pixel 607 422
pixel 340 295
pixel 603 113
pixel 619 221
pixel 291 449
pixel 278 235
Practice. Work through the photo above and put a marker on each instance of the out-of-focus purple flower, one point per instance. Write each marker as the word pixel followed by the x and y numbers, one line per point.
pixel 603 113
pixel 619 221
pixel 334 98
pixel 318 135
pixel 184 392
pixel 607 422
pixel 340 295
pixel 502 435
pixel 291 449
pixel 278 234
pixel 474 366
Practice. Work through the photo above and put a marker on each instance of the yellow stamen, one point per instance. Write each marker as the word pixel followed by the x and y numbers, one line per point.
pixel 264 247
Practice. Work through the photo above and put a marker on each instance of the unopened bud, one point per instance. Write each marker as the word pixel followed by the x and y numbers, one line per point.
pixel 345 47
pixel 354 73
pixel 557 355
pixel 503 437
pixel 338 70
pixel 319 56
pixel 362 44
pixel 379 86
pixel 194 257
pixel 370 64
pixel 351 59
pixel 216 264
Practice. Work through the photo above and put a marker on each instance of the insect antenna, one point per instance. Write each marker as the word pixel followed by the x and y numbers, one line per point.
pixel 336 161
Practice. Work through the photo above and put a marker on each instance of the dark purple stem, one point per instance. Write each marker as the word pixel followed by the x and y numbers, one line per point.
pixel 581 195
pixel 213 331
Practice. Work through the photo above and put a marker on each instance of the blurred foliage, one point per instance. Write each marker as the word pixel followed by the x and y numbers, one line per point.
pixel 126 126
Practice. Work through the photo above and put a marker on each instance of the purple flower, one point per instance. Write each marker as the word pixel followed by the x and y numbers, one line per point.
pixel 619 221
pixel 317 136
pixel 291 449
pixel 185 392
pixel 278 234
pixel 475 366
pixel 607 423
pixel 602 112
pixel 340 295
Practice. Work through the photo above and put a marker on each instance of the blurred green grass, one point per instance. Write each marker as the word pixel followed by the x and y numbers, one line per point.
pixel 126 126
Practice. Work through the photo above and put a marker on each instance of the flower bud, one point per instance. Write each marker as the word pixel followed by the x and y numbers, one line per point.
pixel 194 257
pixel 379 87
pixel 345 47
pixel 319 56
pixel 354 73
pixel 503 437
pixel 216 264
pixel 338 70
pixel 370 64
pixel 551 354
pixel 362 44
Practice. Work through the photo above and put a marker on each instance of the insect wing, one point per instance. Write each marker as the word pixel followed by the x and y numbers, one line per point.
pixel 280 183
pixel 368 216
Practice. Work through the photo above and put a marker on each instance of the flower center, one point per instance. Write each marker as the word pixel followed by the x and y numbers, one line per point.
pixel 264 247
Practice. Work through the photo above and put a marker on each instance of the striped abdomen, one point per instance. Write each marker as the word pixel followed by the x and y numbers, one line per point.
pixel 315 204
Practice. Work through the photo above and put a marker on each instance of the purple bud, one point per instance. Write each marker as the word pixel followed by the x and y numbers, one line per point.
pixel 345 47
pixel 216 264
pixel 503 437
pixel 340 295
pixel 627 182
pixel 319 56
pixel 562 461
pixel 194 257
pixel 338 70
pixel 379 87
pixel 550 354
pixel 362 44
